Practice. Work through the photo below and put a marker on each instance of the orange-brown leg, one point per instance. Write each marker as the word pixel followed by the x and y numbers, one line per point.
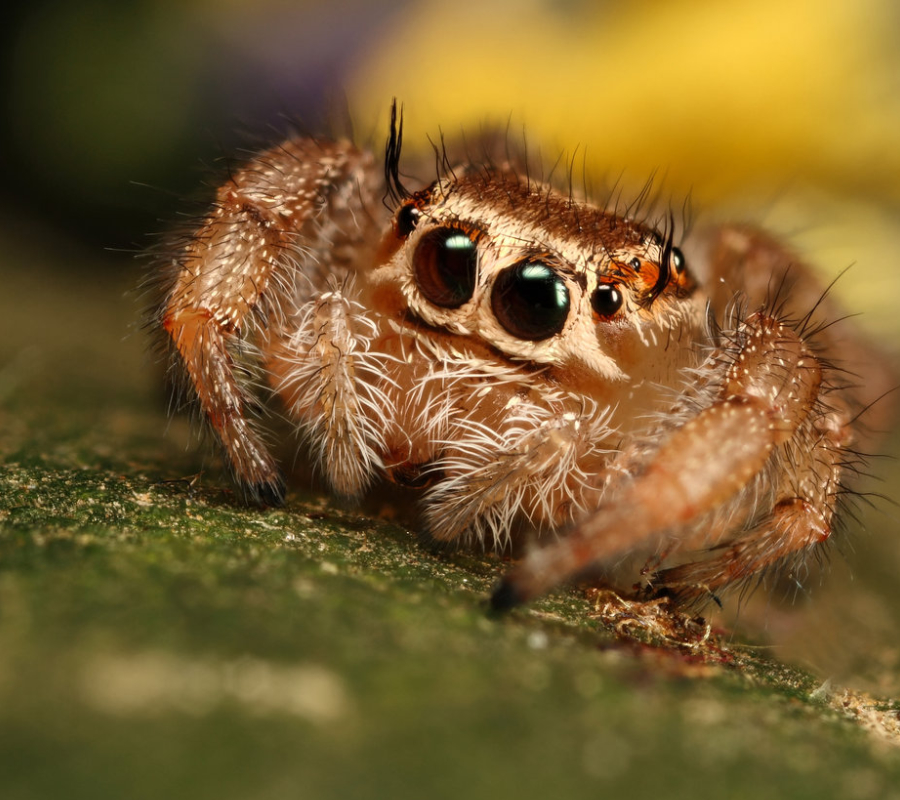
pixel 752 264
pixel 771 385
pixel 290 209
pixel 799 520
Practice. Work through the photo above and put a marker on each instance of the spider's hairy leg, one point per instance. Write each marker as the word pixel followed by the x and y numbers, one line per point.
pixel 795 523
pixel 757 265
pixel 770 386
pixel 338 387
pixel 545 461
pixel 294 208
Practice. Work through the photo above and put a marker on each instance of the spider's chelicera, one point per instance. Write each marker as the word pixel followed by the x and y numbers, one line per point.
pixel 534 362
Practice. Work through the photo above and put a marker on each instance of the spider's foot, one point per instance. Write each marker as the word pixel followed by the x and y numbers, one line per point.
pixel 507 596
pixel 267 494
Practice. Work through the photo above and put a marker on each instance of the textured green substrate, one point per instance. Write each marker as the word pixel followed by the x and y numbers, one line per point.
pixel 159 640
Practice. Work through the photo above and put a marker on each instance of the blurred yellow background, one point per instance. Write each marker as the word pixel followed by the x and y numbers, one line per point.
pixel 787 111
pixel 726 91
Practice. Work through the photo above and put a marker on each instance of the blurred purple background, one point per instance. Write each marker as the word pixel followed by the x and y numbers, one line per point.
pixel 112 110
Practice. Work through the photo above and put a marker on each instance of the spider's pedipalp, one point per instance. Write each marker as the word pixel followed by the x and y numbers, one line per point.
pixel 543 463
pixel 337 388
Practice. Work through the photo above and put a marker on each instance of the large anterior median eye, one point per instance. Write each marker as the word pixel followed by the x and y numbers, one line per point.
pixel 445 266
pixel 531 301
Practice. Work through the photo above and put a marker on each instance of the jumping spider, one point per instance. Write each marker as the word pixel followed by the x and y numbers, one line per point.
pixel 531 362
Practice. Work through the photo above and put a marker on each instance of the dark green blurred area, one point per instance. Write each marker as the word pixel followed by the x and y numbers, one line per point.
pixel 114 112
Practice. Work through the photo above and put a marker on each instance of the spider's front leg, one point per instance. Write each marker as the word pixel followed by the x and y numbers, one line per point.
pixel 768 407
pixel 292 215
pixel 805 486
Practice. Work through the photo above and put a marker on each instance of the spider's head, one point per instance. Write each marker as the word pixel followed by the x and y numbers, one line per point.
pixel 531 273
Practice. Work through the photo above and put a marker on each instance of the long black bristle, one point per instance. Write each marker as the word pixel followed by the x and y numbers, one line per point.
pixel 395 190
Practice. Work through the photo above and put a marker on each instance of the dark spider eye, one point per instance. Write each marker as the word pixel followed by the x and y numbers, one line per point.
pixel 606 299
pixel 678 260
pixel 635 264
pixel 531 301
pixel 445 265
pixel 407 217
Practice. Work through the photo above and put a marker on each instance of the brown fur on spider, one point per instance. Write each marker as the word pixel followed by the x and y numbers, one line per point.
pixel 528 360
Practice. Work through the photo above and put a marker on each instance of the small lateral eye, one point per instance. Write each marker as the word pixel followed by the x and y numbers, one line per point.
pixel 606 299
pixel 445 266
pixel 530 301
pixel 406 219
pixel 635 264
pixel 678 261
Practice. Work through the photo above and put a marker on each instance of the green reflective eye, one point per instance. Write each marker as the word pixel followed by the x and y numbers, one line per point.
pixel 445 266
pixel 530 301
pixel 458 241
